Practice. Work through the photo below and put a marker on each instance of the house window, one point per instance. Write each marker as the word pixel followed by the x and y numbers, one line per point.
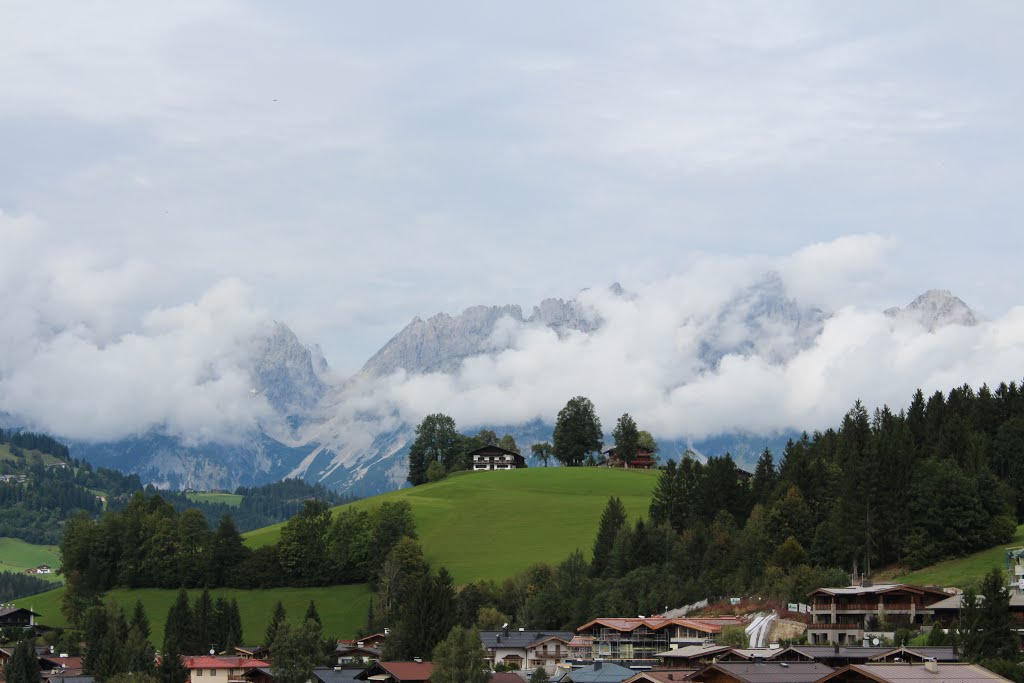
pixel 211 672
pixel 199 672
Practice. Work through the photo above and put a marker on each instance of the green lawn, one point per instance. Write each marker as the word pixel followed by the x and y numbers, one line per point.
pixel 489 525
pixel 232 499
pixel 342 608
pixel 964 571
pixel 16 556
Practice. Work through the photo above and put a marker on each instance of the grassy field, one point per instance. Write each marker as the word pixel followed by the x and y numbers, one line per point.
pixel 30 456
pixel 489 525
pixel 232 499
pixel 964 571
pixel 16 556
pixel 342 608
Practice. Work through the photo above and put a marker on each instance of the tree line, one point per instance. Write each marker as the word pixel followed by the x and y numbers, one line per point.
pixel 578 439
pixel 150 544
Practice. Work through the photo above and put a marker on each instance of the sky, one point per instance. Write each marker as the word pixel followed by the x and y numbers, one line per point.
pixel 173 175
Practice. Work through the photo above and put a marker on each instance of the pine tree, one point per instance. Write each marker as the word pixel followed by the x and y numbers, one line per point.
pixel 764 478
pixel 23 666
pixel 988 629
pixel 311 613
pixel 234 633
pixel 276 619
pixel 203 622
pixel 612 520
pixel 178 633
pixel 140 620
pixel 666 506
pixel 172 668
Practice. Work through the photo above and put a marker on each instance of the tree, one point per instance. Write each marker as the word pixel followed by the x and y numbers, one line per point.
pixel 459 658
pixel 435 472
pixel 646 440
pixel 508 442
pixel 276 619
pixel 734 636
pixel 613 519
pixel 765 477
pixel 226 552
pixel 139 619
pixel 577 432
pixel 437 440
pixel 302 549
pixel 23 666
pixel 311 613
pixel 296 651
pixel 667 505
pixel 987 626
pixel 542 451
pixel 178 632
pixel 202 621
pixel 539 676
pixel 627 439
pixel 172 668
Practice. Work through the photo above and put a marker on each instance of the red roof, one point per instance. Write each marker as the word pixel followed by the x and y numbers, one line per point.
pixel 212 662
pixel 409 671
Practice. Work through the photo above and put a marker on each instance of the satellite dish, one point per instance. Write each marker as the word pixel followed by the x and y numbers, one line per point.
pixel 875 642
pixel 505 625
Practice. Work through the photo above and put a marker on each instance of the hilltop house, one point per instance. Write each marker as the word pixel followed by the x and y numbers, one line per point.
pixel 845 615
pixel 644 459
pixel 495 458
pixel 16 617
pixel 526 649
pixel 640 639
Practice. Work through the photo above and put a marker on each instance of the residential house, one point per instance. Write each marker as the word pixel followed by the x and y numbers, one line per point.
pixel 355 654
pixel 655 676
pixel 252 651
pixel 526 649
pixel 835 655
pixel 17 617
pixel 334 675
pixel 691 657
pixel 762 672
pixel 848 615
pixel 506 677
pixel 644 459
pixel 397 672
pixel 640 639
pixel 598 672
pixel 932 672
pixel 495 458
pixel 375 640
pixel 219 668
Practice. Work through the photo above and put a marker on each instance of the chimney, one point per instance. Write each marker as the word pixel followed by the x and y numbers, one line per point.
pixel 931 666
pixel 836 646
pixel 597 665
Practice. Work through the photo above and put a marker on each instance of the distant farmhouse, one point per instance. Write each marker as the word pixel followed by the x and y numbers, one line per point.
pixel 496 458
pixel 644 459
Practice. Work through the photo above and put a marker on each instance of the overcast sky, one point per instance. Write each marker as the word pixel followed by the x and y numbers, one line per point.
pixel 343 167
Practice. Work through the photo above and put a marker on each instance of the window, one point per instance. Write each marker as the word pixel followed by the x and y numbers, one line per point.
pixel 199 672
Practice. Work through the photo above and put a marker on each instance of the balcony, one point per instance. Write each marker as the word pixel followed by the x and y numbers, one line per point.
pixel 852 626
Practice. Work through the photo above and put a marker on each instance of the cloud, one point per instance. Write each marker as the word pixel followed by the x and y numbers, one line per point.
pixel 778 373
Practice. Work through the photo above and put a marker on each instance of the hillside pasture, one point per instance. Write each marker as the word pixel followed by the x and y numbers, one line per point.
pixel 17 555
pixel 490 525
pixel 963 572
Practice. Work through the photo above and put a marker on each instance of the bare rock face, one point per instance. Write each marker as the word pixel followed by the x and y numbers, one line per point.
pixel 442 342
pixel 284 372
pixel 934 309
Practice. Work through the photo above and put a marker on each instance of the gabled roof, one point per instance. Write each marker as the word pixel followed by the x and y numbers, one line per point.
pixel 13 610
pixel 332 675
pixel 832 652
pixel 215 662
pixel 659 676
pixel 626 624
pixel 940 653
pixel 344 650
pixel 506 677
pixel 877 589
pixel 401 671
pixel 602 672
pixel 769 672
pixel 494 450
pixel 521 639
pixel 901 673
pixel 692 652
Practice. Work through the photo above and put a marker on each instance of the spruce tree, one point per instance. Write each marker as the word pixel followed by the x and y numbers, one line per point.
pixel 172 668
pixel 234 633
pixel 666 508
pixel 23 666
pixel 764 478
pixel 612 519
pixel 276 619
pixel 178 633
pixel 311 613
pixel 203 622
pixel 140 620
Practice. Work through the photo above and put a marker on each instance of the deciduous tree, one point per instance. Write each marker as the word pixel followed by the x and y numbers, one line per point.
pixel 577 432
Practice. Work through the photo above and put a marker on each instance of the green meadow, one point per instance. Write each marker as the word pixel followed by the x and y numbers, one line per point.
pixel 232 499
pixel 17 555
pixel 966 571
pixel 490 525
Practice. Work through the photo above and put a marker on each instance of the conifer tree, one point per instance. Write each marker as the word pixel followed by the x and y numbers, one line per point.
pixel 666 505
pixel 234 633
pixel 764 478
pixel 23 666
pixel 140 620
pixel 311 613
pixel 178 632
pixel 276 619
pixel 459 658
pixel 612 520
pixel 203 621
pixel 172 668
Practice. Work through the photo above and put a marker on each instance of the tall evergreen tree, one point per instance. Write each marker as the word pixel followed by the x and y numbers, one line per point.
pixel 276 619
pixel 764 479
pixel 627 439
pixel 988 629
pixel 139 619
pixel 203 619
pixel 311 613
pixel 667 506
pixel 178 632
pixel 23 666
pixel 172 668
pixel 612 520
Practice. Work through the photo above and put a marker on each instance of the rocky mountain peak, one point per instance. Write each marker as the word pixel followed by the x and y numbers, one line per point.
pixel 286 372
pixel 936 308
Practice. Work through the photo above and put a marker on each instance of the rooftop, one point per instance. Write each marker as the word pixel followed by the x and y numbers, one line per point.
pixel 769 672
pixel 945 673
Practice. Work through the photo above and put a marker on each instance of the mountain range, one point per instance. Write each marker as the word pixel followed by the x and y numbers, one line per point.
pixel 324 429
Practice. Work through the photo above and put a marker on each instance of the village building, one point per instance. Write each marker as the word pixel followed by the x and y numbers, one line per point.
pixel 495 458
pixel 644 459
pixel 654 676
pixel 355 654
pixel 762 672
pixel 220 668
pixel 598 672
pixel 932 672
pixel 16 617
pixel 252 651
pixel 640 639
pixel 526 649
pixel 397 672
pixel 849 615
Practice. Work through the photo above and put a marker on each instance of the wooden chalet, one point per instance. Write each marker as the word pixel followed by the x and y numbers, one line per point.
pixel 640 639
pixel 845 615
pixel 17 617
pixel 762 672
pixel 644 459
pixel 932 672
pixel 495 458
pixel 397 672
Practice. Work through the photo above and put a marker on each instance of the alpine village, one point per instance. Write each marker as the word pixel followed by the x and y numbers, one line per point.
pixel 881 550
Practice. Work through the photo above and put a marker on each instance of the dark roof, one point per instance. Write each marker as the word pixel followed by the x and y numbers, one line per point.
pixel 940 653
pixel 330 675
pixel 71 679
pixel 354 649
pixel 506 677
pixel 402 671
pixel 910 673
pixel 520 639
pixel 12 610
pixel 862 654
pixel 607 673
pixel 493 450
pixel 770 672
